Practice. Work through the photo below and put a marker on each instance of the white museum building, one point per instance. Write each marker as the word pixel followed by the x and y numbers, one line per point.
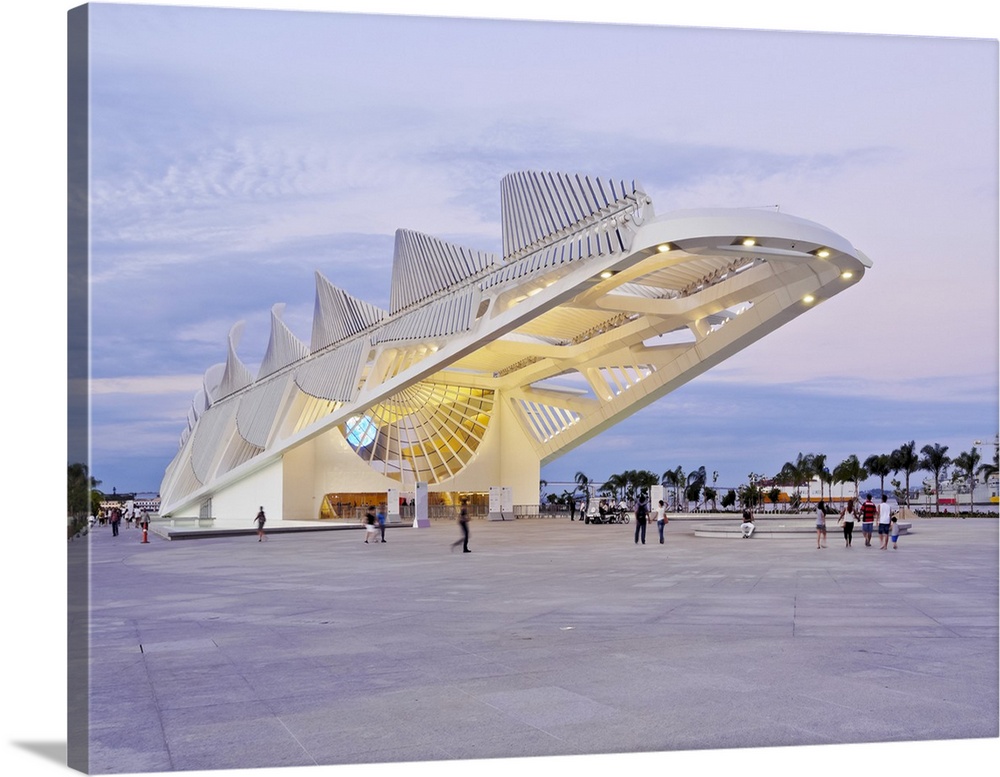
pixel 486 367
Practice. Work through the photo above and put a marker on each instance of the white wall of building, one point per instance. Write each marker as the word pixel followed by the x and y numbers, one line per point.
pixel 237 505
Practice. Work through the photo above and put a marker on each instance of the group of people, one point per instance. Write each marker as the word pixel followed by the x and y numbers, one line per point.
pixel 375 525
pixel 115 515
pixel 868 513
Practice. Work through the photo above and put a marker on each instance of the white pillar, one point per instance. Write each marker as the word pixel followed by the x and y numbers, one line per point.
pixel 392 506
pixel 421 519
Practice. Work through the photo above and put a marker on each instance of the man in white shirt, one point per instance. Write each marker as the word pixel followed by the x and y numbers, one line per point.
pixel 884 521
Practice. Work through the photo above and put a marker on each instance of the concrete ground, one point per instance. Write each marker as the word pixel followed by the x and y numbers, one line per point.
pixel 550 638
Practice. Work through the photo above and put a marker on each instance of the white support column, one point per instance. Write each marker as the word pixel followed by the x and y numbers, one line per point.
pixel 392 506
pixel 421 519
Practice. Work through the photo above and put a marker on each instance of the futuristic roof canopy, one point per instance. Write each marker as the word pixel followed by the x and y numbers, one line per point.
pixel 595 309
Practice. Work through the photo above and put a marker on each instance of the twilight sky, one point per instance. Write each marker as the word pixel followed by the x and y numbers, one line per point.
pixel 236 152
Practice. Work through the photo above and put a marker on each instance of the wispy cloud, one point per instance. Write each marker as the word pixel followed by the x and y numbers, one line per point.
pixel 146 386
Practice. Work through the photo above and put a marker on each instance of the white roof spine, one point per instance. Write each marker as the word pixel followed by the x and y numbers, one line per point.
pixel 283 348
pixel 540 205
pixel 236 376
pixel 440 318
pixel 338 315
pixel 423 265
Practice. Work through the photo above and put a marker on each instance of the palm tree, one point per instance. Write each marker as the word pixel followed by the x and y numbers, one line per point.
pixel 644 480
pixel 879 465
pixel 774 495
pixel 79 485
pixel 820 470
pixel 674 478
pixel 695 482
pixel 616 485
pixel 966 463
pixel 750 495
pixel 850 471
pixel 805 464
pixel 986 471
pixel 797 473
pixel 935 459
pixel 710 496
pixel 628 484
pixel 904 459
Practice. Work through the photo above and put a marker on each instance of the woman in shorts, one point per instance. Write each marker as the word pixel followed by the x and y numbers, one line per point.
pixel 821 525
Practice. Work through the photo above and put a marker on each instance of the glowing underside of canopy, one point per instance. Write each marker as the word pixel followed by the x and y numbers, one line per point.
pixel 596 308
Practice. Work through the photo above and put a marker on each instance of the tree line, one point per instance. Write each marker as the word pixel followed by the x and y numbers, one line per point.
pixel 800 472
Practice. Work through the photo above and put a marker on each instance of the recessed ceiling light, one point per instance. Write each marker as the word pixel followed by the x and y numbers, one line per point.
pixel 809 299
pixel 823 253
pixel 846 274
pixel 663 247
pixel 749 241
pixel 607 274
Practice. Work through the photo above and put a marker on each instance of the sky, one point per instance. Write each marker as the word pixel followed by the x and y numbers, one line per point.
pixel 236 152
pixel 312 164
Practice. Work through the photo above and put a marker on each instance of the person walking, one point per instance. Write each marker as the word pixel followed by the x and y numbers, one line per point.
pixel 884 520
pixel 370 524
pixel 821 524
pixel 894 532
pixel 868 511
pixel 261 519
pixel 847 516
pixel 660 513
pixel 641 515
pixel 380 517
pixel 463 524
pixel 116 518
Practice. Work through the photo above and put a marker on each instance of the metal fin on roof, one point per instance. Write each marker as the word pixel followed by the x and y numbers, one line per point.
pixel 283 348
pixel 236 376
pixel 537 205
pixel 333 375
pixel 213 428
pixel 423 265
pixel 338 315
pixel 440 318
pixel 258 409
pixel 212 380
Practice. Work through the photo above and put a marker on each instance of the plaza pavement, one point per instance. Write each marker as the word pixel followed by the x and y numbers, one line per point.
pixel 550 638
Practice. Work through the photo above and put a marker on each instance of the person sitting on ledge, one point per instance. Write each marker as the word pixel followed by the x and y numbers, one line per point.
pixel 747 526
